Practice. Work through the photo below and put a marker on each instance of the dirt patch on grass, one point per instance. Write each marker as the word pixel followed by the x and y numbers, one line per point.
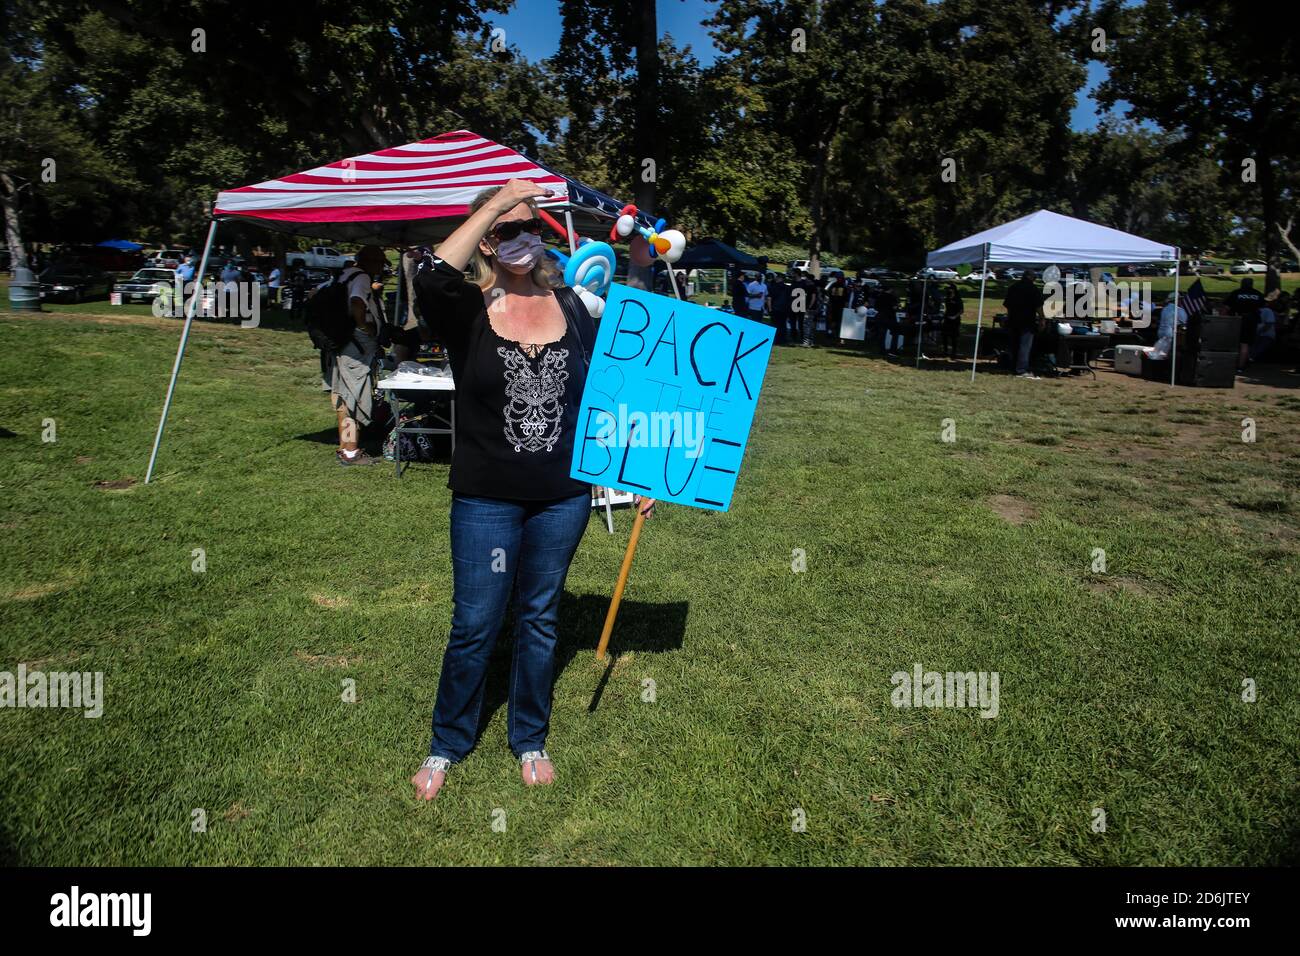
pixel 326 660
pixel 34 591
pixel 117 484
pixel 1014 510
pixel 324 600
pixel 1110 585
pixel 62 659
pixel 236 813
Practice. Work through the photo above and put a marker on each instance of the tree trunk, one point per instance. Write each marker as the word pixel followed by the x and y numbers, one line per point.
pixel 1268 205
pixel 645 132
pixel 818 186
pixel 13 233
pixel 1286 237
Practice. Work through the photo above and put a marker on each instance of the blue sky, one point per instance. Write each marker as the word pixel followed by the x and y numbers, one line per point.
pixel 534 27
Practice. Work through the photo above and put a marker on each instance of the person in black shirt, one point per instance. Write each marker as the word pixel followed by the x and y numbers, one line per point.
pixel 953 307
pixel 1024 305
pixel 838 300
pixel 782 298
pixel 1246 301
pixel 519 344
pixel 738 305
pixel 807 295
pixel 887 318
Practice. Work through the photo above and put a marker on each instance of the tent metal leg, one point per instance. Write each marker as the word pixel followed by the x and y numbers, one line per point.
pixel 920 322
pixel 1173 351
pixel 979 319
pixel 190 305
pixel 573 236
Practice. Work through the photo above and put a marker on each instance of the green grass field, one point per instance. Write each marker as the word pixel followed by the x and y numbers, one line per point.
pixel 1119 690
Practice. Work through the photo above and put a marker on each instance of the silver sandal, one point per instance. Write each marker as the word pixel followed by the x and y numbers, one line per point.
pixel 531 758
pixel 434 765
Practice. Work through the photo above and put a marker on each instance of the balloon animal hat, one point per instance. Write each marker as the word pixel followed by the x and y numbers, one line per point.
pixel 668 244
pixel 589 271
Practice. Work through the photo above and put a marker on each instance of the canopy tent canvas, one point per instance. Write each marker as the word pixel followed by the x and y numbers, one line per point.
pixel 1045 238
pixel 712 254
pixel 401 196
pixel 407 195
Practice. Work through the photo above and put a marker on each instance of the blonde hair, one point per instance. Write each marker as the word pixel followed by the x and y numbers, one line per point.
pixel 545 273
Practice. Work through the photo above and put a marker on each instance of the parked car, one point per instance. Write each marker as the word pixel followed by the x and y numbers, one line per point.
pixel 74 282
pixel 1247 267
pixel 942 274
pixel 1011 274
pixel 1152 269
pixel 1201 267
pixel 321 257
pixel 216 264
pixel 975 275
pixel 166 259
pixel 146 285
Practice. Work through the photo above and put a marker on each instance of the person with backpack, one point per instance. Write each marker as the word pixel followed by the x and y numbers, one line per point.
pixel 519 342
pixel 343 319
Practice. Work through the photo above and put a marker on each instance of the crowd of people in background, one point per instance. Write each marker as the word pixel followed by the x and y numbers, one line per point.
pixel 801 306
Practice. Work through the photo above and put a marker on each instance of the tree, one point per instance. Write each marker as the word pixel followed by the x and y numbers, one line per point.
pixel 187 98
pixel 1207 70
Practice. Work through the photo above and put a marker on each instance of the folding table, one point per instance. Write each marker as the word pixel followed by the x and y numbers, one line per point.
pixel 394 385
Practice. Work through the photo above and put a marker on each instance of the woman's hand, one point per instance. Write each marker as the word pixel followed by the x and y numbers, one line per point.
pixel 516 191
pixel 457 248
pixel 645 506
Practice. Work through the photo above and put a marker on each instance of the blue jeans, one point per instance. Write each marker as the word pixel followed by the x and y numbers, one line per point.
pixel 1022 341
pixel 498 546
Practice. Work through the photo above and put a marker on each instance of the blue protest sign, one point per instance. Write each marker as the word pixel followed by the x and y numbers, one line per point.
pixel 670 396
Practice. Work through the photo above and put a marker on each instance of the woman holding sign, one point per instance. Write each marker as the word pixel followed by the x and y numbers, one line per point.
pixel 519 345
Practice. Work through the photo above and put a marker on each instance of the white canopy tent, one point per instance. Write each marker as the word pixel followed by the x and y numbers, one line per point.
pixel 1045 238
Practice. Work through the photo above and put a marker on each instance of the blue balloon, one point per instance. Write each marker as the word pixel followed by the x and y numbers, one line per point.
pixel 591 266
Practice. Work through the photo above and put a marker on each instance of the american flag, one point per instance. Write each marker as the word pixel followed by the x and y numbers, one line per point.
pixel 406 195
pixel 1194 301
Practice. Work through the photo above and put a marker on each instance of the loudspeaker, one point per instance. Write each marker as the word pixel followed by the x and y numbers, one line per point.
pixel 1214 333
pixel 1208 369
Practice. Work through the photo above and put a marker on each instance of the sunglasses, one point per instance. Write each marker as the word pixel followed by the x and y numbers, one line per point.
pixel 505 231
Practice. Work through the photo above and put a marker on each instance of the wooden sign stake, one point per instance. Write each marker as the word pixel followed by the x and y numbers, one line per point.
pixel 622 580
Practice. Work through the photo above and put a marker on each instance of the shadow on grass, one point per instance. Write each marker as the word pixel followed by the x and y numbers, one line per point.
pixel 987 363
pixel 641 627
pixel 372 442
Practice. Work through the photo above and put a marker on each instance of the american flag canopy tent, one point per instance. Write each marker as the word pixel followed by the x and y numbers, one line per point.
pixel 402 196
pixel 406 195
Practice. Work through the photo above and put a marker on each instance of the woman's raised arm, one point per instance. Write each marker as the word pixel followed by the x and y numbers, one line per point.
pixel 457 249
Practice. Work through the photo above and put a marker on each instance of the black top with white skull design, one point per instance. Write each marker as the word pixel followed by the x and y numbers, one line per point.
pixel 516 407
